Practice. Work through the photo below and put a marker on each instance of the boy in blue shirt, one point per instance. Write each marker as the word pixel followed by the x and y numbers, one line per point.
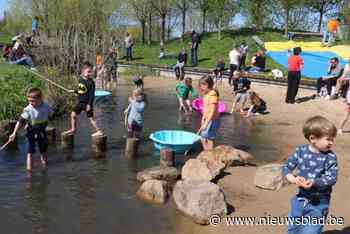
pixel 241 85
pixel 317 171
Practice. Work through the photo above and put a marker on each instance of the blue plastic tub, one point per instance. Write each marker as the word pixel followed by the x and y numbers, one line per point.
pixel 179 141
pixel 101 95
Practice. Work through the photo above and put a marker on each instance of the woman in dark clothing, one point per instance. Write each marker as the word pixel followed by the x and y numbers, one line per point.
pixel 334 72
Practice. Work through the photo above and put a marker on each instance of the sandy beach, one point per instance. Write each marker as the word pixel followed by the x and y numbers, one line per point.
pixel 284 123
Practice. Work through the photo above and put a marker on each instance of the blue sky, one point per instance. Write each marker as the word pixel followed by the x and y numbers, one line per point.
pixel 3 6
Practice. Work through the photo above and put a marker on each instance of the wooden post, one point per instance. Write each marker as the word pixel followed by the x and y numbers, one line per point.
pixel 99 144
pixel 67 140
pixel 131 147
pixel 51 134
pixel 167 157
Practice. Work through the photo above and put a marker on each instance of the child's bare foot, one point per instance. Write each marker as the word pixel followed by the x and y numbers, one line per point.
pixel 69 132
pixel 98 133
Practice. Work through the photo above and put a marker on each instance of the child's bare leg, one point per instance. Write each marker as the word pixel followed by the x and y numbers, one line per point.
pixel 94 125
pixel 210 144
pixel 73 124
pixel 204 144
pixel 234 107
pixel 344 122
pixel 188 103
pixel 43 158
pixel 29 162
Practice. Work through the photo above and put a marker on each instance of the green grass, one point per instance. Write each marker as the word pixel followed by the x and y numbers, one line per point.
pixel 211 49
pixel 5 38
pixel 14 82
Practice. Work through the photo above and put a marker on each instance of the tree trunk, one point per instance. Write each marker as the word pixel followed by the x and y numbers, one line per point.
pixel 287 22
pixel 183 24
pixel 46 15
pixel 169 29
pixel 321 16
pixel 149 28
pixel 204 18
pixel 143 27
pixel 219 30
pixel 162 30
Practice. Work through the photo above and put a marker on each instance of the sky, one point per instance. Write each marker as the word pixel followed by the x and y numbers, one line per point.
pixel 3 6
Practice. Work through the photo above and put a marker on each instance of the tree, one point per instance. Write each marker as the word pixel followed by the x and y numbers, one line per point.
pixel 141 10
pixel 322 7
pixel 257 11
pixel 222 12
pixel 162 8
pixel 288 5
pixel 183 6
pixel 204 6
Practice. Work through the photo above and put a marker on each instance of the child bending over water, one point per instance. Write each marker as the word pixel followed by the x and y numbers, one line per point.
pixel 183 90
pixel 258 105
pixel 36 116
pixel 211 118
pixel 134 113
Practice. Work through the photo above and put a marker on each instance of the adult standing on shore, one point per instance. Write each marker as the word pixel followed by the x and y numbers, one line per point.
pixel 129 43
pixel 235 58
pixel 295 64
pixel 330 32
pixel 196 40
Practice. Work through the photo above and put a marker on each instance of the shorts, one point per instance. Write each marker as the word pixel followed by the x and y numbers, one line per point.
pixel 211 131
pixel 241 97
pixel 37 137
pixel 138 83
pixel 347 108
pixel 80 107
pixel 134 127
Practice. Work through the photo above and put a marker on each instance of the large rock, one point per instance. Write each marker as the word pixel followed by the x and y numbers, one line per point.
pixel 198 170
pixel 269 177
pixel 158 173
pixel 227 155
pixel 154 191
pixel 199 200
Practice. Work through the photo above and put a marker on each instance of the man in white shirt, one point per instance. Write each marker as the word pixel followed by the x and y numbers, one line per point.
pixel 235 57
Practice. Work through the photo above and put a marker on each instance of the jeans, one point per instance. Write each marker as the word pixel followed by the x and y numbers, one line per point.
pixel 233 68
pixel 328 37
pixel 293 86
pixel 302 207
pixel 25 61
pixel 329 83
pixel 194 56
pixel 129 53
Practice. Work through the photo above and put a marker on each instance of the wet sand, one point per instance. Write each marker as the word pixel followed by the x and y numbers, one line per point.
pixel 283 127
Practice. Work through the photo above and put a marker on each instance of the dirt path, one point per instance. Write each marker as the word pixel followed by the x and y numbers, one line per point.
pixel 284 123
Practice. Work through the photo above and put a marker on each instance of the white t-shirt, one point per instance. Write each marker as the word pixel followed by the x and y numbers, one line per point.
pixel 234 57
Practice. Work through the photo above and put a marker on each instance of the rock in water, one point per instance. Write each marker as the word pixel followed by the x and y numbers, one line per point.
pixel 269 177
pixel 197 170
pixel 199 200
pixel 158 173
pixel 154 191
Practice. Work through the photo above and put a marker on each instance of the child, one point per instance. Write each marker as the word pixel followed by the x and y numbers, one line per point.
pixel 138 81
pixel 347 109
pixel 180 65
pixel 85 100
pixel 258 105
pixel 219 70
pixel 36 115
pixel 211 118
pixel 134 113
pixel 111 65
pixel 241 95
pixel 316 169
pixel 183 90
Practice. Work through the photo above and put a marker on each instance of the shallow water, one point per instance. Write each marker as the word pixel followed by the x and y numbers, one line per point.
pixel 88 195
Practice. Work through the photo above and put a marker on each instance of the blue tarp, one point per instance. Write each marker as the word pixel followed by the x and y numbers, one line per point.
pixel 315 63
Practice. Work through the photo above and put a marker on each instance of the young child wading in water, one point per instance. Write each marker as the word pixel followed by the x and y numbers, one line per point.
pixel 134 113
pixel 183 90
pixel 85 100
pixel 36 115
pixel 210 120
pixel 313 168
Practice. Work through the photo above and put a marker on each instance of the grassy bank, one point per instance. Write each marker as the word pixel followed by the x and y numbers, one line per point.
pixel 14 81
pixel 210 49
